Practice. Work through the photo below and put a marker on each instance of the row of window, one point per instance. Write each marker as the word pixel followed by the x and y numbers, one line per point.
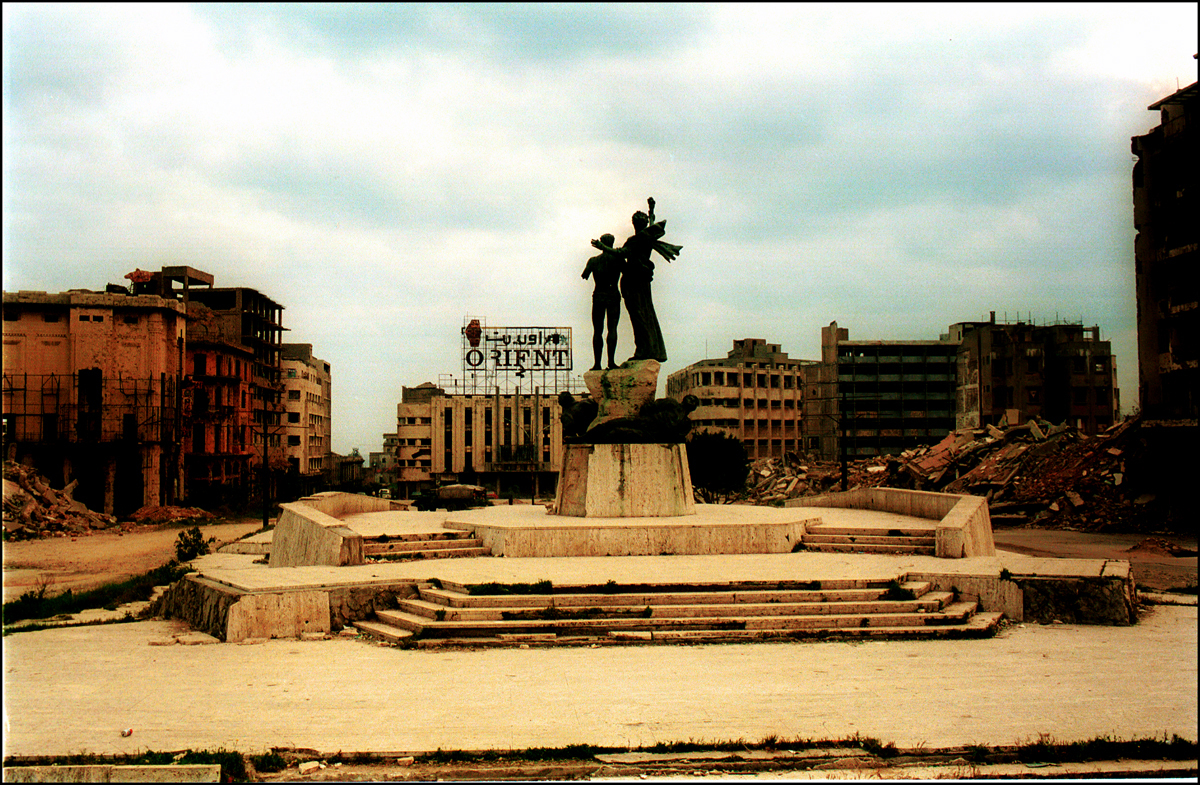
pixel 772 381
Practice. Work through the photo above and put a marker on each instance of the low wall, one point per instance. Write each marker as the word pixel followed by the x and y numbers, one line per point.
pixel 964 524
pixel 309 531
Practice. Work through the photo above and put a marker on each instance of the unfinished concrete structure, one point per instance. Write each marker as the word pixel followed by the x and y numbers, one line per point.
pixel 883 396
pixel 1166 256
pixel 754 393
pixel 93 387
pixel 509 442
pixel 308 393
pixel 1018 371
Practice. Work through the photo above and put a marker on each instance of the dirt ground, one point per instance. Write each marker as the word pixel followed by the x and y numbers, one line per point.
pixel 1154 566
pixel 87 561
pixel 84 562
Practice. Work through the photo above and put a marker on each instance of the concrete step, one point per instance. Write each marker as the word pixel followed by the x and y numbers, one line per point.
pixel 868 539
pixel 594 622
pixel 612 588
pixel 929 602
pixel 870 531
pixel 385 631
pixel 979 625
pixel 374 548
pixel 448 534
pixel 829 547
pixel 441 553
pixel 457 599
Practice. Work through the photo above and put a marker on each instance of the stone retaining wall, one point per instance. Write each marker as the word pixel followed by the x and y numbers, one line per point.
pixel 964 524
pixel 310 532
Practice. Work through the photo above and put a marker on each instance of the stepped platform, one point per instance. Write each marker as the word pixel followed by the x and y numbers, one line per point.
pixel 727 573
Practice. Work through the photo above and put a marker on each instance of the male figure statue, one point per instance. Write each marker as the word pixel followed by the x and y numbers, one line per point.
pixel 605 269
pixel 635 281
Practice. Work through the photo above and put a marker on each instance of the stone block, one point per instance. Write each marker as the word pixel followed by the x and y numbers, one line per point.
pixel 278 615
pixel 621 392
pixel 625 481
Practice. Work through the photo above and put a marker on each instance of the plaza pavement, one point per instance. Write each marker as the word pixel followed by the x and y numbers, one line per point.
pixel 73 690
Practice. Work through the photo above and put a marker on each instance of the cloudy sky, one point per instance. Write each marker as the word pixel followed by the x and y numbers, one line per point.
pixel 386 171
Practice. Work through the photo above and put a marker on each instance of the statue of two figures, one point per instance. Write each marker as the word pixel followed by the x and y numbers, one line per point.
pixel 622 408
pixel 625 274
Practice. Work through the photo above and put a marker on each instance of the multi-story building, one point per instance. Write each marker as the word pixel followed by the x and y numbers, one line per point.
pixel 754 393
pixel 1166 201
pixel 511 441
pixel 889 396
pixel 1015 372
pixel 218 412
pixel 882 397
pixel 308 412
pixel 92 392
pixel 242 329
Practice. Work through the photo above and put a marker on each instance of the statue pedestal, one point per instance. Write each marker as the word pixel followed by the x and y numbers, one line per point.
pixel 624 481
pixel 621 392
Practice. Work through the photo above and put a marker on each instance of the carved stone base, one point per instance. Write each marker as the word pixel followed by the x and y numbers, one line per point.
pixel 621 392
pixel 624 481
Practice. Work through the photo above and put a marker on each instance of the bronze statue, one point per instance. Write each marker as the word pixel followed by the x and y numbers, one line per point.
pixel 636 276
pixel 605 269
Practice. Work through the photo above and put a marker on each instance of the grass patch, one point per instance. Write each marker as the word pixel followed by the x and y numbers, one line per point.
pixel 233 765
pixel 1046 750
pixel 492 589
pixel 37 605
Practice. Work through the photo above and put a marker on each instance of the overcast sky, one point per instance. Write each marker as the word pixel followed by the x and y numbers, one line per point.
pixel 385 171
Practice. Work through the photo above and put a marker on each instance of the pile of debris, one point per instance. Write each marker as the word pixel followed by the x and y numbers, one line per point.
pixel 153 515
pixel 1051 476
pixel 33 509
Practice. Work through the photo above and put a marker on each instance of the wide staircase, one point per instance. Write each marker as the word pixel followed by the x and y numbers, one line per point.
pixel 433 545
pixel 849 539
pixel 449 614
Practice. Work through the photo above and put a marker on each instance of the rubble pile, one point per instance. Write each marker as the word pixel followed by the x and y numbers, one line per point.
pixel 169 514
pixel 33 509
pixel 1051 476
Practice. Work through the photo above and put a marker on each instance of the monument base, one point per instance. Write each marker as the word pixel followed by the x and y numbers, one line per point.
pixel 624 481
pixel 622 392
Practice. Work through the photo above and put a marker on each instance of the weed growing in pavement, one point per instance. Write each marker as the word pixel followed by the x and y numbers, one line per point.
pixel 191 543
pixel 894 592
pixel 268 762
pixel 233 765
pixel 481 589
pixel 36 605
pixel 1005 575
pixel 1046 750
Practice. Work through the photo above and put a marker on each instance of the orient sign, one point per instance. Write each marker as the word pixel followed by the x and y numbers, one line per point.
pixel 516 350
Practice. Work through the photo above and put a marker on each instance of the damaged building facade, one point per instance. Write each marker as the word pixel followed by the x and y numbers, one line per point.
pixel 885 397
pixel 507 442
pixel 92 390
pixel 754 393
pixel 1166 260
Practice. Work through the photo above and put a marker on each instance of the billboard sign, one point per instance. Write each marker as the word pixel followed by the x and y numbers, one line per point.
pixel 509 355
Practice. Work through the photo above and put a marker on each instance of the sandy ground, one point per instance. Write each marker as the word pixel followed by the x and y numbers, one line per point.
pixel 85 562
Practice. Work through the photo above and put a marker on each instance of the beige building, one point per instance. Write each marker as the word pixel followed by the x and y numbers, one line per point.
pixel 307 419
pixel 510 443
pixel 754 393
pixel 92 389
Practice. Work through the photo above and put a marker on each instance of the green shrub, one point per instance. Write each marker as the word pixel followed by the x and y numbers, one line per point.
pixel 191 543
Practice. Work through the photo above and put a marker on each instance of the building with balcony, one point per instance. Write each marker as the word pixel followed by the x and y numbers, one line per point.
pixel 1166 201
pixel 755 393
pixel 92 393
pixel 307 426
pixel 1011 373
pixel 510 442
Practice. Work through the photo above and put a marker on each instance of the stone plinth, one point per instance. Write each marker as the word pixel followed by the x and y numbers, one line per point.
pixel 621 392
pixel 624 481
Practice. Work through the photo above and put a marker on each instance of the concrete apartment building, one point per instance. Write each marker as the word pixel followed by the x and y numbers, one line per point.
pixel 890 396
pixel 882 397
pixel 92 390
pixel 1015 372
pixel 307 427
pixel 508 442
pixel 754 393
pixel 1166 257
pixel 235 374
